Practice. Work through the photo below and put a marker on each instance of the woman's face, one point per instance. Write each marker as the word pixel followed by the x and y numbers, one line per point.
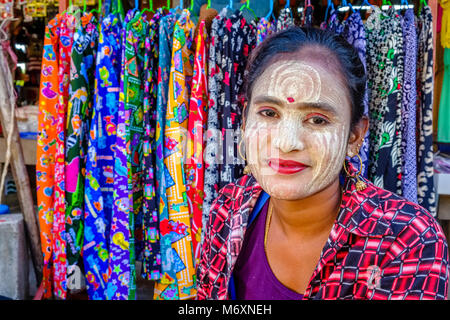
pixel 298 126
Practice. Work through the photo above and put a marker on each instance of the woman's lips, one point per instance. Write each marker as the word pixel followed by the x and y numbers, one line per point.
pixel 286 166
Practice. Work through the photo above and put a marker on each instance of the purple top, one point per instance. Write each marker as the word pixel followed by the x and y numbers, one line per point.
pixel 253 276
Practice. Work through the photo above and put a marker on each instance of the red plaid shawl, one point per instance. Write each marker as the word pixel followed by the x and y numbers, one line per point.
pixel 380 247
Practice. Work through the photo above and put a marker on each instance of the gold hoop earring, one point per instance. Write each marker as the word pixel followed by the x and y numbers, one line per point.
pixel 246 168
pixel 360 184
pixel 240 152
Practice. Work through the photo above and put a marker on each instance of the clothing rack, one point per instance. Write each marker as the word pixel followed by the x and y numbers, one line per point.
pixel 63 4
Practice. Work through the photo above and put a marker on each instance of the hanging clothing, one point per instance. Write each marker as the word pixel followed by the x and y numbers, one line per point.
pixel 134 89
pixel 443 134
pixel 166 287
pixel 78 125
pixel 151 260
pixel 307 21
pixel 354 32
pixel 426 195
pixel 100 159
pixel 213 149
pixel 238 41
pixel 385 71
pixel 178 224
pixel 285 19
pixel 46 147
pixel 333 24
pixel 409 177
pixel 198 111
pixel 120 282
pixel 445 24
pixel 352 29
pixel 264 28
pixel 59 249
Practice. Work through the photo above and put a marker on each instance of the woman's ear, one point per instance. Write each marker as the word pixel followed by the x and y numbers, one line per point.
pixel 244 115
pixel 357 134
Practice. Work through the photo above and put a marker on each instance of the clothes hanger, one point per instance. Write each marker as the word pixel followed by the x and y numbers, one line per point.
pixel 118 9
pixel 180 6
pixel 150 7
pixel 367 4
pixel 230 5
pixel 99 8
pixel 404 4
pixel 70 6
pixel 288 6
pixel 422 3
pixel 167 7
pixel 79 10
pixel 386 3
pixel 246 5
pixel 345 4
pixel 330 5
pixel 270 10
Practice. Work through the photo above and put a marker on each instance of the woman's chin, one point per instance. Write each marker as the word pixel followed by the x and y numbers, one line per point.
pixel 281 188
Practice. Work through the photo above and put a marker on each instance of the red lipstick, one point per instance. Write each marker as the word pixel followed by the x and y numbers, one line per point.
pixel 286 166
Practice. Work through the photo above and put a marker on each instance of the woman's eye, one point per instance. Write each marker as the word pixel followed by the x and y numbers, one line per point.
pixel 268 113
pixel 318 120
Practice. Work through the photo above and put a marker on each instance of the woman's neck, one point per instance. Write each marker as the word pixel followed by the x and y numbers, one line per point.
pixel 309 217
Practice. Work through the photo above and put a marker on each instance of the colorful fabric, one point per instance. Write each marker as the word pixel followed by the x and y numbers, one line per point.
pixel 409 177
pixel 238 42
pixel 353 31
pixel 285 19
pixel 445 23
pixel 99 183
pixel 169 259
pixel 46 147
pixel 333 24
pixel 151 260
pixel 213 135
pixel 121 281
pixel 426 194
pixel 381 246
pixel 134 76
pixel 264 28
pixel 59 220
pixel 308 17
pixel 385 61
pixel 78 125
pixel 443 134
pixel 178 224
pixel 194 168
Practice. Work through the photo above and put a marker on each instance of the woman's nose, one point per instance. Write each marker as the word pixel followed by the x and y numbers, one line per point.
pixel 288 138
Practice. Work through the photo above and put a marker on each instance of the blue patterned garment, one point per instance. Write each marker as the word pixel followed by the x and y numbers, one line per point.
pixel 409 176
pixel 100 159
pixel 352 29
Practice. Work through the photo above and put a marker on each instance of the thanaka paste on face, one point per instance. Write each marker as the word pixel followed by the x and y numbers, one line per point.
pixel 289 137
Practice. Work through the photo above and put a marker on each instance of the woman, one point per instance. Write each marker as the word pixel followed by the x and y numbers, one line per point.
pixel 303 224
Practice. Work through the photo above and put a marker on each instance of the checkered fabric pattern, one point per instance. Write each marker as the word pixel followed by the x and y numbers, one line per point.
pixel 380 247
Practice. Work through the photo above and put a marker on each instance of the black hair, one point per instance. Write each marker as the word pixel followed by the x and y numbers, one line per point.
pixel 293 39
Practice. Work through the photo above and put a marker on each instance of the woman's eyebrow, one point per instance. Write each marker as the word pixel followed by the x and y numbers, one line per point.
pixel 304 105
pixel 267 99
